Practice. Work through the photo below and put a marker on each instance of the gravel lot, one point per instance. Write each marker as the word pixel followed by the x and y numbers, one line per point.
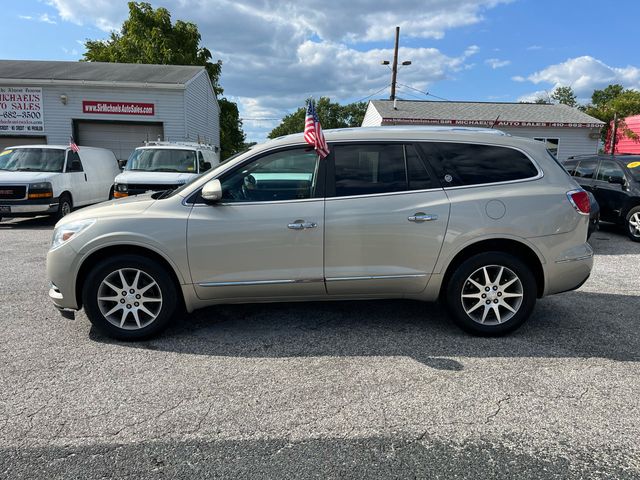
pixel 386 389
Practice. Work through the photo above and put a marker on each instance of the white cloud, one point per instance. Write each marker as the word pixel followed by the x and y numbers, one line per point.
pixel 532 48
pixel 43 17
pixel 533 96
pixel 584 74
pixel 276 54
pixel 518 78
pixel 497 63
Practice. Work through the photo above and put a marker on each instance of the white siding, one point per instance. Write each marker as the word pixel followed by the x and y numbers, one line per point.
pixel 58 118
pixel 371 117
pixel 573 141
pixel 203 117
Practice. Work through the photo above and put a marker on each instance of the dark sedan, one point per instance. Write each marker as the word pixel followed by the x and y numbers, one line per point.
pixel 615 183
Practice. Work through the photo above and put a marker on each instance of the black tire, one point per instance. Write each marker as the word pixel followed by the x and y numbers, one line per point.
pixel 132 331
pixel 65 206
pixel 633 216
pixel 474 266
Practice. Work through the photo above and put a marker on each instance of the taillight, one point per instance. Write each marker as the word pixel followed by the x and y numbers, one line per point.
pixel 580 201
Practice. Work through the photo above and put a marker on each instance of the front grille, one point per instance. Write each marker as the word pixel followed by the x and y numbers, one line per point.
pixel 143 187
pixel 12 192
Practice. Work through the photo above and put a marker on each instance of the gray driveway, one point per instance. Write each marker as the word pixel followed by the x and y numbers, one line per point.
pixel 385 389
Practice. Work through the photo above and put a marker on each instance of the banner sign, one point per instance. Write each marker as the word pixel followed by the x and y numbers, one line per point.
pixel 118 108
pixel 484 123
pixel 21 110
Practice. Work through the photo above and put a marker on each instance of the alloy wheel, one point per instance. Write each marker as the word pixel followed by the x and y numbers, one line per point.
pixel 129 298
pixel 492 295
pixel 634 224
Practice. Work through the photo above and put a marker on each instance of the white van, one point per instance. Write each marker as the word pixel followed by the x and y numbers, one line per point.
pixel 164 166
pixel 54 179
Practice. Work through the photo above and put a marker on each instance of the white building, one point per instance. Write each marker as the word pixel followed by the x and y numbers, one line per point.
pixel 111 105
pixel 566 130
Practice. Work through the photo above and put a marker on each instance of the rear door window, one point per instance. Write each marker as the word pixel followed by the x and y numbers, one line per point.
pixel 610 172
pixel 459 164
pixel 586 168
pixel 364 169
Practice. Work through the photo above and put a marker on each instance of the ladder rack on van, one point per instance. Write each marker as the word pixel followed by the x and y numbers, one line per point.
pixel 162 143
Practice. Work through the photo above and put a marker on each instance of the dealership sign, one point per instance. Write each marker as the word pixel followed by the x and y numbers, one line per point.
pixel 21 110
pixel 484 123
pixel 118 108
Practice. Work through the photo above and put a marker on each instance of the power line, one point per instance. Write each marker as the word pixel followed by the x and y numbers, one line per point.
pixel 374 93
pixel 424 93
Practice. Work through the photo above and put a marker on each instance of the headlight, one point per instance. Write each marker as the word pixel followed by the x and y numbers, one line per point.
pixel 66 232
pixel 40 190
pixel 121 187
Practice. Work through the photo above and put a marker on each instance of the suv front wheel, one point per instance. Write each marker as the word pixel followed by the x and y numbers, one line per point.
pixel 129 297
pixel 491 293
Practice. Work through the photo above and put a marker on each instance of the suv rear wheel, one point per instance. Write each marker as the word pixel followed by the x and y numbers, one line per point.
pixel 491 293
pixel 633 224
pixel 129 297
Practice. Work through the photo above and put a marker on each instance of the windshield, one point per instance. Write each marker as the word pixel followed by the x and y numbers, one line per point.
pixel 634 168
pixel 163 160
pixel 32 160
pixel 187 184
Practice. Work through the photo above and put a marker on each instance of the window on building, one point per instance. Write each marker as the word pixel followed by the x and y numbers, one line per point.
pixel 552 144
pixel 471 164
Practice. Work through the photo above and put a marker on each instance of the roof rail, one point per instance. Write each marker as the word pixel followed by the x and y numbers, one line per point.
pixel 163 143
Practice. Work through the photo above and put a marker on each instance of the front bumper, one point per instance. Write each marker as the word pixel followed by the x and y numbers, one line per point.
pixel 28 208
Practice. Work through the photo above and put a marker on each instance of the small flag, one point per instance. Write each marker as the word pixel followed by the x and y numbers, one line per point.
pixel 313 131
pixel 73 146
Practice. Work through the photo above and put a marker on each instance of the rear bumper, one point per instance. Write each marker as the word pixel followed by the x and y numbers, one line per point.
pixel 570 270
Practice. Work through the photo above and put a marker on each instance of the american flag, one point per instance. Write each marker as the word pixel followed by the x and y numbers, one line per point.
pixel 313 131
pixel 73 146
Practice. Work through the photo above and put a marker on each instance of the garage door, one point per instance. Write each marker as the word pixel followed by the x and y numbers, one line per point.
pixel 119 137
pixel 11 141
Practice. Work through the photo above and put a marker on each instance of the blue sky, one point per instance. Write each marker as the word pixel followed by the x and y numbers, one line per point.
pixel 277 54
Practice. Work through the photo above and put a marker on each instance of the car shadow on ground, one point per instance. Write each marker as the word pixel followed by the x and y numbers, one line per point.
pixel 576 324
pixel 611 239
pixel 34 223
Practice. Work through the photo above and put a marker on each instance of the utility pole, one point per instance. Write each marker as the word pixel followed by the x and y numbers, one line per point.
pixel 614 133
pixel 394 68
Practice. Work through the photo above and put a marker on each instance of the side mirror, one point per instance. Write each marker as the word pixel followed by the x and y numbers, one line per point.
pixel 122 164
pixel 205 167
pixel 212 191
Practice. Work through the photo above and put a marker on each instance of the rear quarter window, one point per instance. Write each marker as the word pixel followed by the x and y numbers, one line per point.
pixel 459 164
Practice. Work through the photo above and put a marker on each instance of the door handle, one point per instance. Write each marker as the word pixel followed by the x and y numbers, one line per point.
pixel 85 177
pixel 301 225
pixel 422 217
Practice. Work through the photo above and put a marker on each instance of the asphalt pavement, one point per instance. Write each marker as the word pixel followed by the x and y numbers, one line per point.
pixel 376 389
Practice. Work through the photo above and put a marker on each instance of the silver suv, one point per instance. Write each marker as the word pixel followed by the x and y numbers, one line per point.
pixel 484 221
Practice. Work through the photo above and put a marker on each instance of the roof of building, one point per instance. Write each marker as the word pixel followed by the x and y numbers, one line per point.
pixel 98 72
pixel 427 112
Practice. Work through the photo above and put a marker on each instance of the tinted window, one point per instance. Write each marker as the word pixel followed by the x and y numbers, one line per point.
pixel 285 175
pixel 469 164
pixel 369 168
pixel 570 167
pixel 418 175
pixel 586 168
pixel 610 171
pixel 73 162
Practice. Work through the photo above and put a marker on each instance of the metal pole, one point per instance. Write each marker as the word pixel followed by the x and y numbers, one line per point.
pixel 614 133
pixel 394 70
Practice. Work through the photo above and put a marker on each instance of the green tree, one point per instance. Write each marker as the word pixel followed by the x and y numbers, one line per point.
pixel 612 100
pixel 565 96
pixel 331 115
pixel 149 36
pixel 231 135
